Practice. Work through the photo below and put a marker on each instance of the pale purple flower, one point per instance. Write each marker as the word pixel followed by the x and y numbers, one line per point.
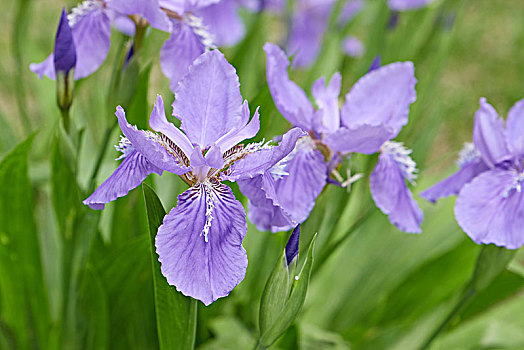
pixel 353 46
pixel 405 5
pixel 200 241
pixel 197 26
pixel 375 110
pixel 90 22
pixel 489 183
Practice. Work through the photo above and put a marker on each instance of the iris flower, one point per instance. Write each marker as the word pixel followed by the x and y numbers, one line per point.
pixel 90 22
pixel 489 183
pixel 375 110
pixel 200 241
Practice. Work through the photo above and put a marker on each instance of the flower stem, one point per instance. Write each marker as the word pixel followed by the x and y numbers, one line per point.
pixel 100 157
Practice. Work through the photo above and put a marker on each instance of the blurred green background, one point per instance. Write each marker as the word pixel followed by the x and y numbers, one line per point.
pixel 77 279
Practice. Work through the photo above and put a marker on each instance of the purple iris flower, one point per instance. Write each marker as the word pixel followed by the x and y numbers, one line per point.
pixel 197 26
pixel 200 241
pixel 90 22
pixel 405 5
pixel 375 110
pixel 489 183
pixel 309 23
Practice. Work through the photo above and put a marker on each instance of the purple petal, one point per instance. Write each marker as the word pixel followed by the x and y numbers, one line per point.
pixel 65 51
pixel 382 96
pixel 289 98
pixel 490 209
pixel 328 114
pixel 375 64
pixel 353 46
pixel 200 243
pixel 515 129
pixel 133 170
pixel 208 100
pixel 91 30
pixel 158 122
pixel 150 148
pixel 260 161
pixel 178 6
pixel 453 184
pixel 392 196
pixel 350 10
pixel 179 52
pixel 149 9
pixel 403 5
pixel 122 23
pixel 292 245
pixel 364 138
pixel 248 131
pixel 223 22
pixel 489 136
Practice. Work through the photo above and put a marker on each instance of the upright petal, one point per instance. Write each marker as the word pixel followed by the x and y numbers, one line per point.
pixel 327 118
pixel 453 184
pixel 489 136
pixel 223 21
pixel 363 138
pixel 261 158
pixel 148 144
pixel 149 9
pixel 159 122
pixel 515 129
pixel 133 170
pixel 179 52
pixel 208 100
pixel 289 98
pixel 91 30
pixel 392 196
pixel 382 96
pixel 200 243
pixel 248 131
pixel 404 5
pixel 490 209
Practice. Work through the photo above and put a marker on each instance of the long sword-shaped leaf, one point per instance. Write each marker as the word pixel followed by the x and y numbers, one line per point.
pixel 175 313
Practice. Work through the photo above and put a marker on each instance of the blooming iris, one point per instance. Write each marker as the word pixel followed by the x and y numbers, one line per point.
pixel 489 183
pixel 91 22
pixel 375 110
pixel 200 241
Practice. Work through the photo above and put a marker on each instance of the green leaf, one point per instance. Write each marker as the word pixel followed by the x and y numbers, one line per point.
pixel 275 295
pixel 176 313
pixel 491 262
pixel 294 302
pixel 24 308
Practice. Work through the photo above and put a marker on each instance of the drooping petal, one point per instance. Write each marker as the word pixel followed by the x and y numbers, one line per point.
pixel 490 209
pixel 289 98
pixel 382 96
pixel 515 129
pixel 149 9
pixel 149 146
pixel 208 100
pixel 262 159
pixel 453 184
pixel 489 136
pixel 91 30
pixel 363 138
pixel 223 22
pixel 327 118
pixel 200 243
pixel 159 122
pixel 404 5
pixel 248 131
pixel 65 51
pixel 133 170
pixel 392 196
pixel 179 52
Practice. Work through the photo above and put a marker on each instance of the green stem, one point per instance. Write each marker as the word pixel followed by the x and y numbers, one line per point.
pixel 66 119
pixel 100 157
pixel 259 346
pixel 466 297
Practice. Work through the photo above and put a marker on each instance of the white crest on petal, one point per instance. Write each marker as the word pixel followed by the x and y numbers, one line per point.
pixel 84 8
pixel 201 30
pixel 278 170
pixel 467 154
pixel 402 157
pixel 124 146
pixel 210 206
pixel 518 180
